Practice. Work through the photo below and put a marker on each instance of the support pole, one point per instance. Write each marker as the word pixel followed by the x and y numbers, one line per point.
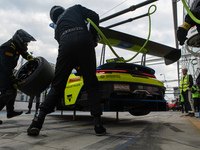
pixel 128 20
pixel 175 18
pixel 131 8
pixel 74 114
pixel 117 115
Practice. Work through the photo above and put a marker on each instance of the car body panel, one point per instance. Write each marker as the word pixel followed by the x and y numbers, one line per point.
pixel 120 91
pixel 73 88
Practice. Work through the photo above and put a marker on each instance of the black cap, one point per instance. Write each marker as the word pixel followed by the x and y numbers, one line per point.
pixel 55 12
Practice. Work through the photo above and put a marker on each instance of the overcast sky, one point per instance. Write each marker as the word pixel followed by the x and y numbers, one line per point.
pixel 33 16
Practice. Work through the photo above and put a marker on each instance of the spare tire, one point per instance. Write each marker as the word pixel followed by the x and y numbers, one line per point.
pixel 35 76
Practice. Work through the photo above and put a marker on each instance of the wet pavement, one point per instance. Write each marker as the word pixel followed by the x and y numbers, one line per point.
pixel 155 131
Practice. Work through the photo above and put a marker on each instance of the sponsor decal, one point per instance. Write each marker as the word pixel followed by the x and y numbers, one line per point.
pixel 74 79
pixel 192 27
pixel 124 44
pixel 110 76
pixel 121 87
pixel 113 76
pixel 9 54
pixel 115 60
pixel 193 30
pixel 102 76
pixel 73 85
pixel 69 97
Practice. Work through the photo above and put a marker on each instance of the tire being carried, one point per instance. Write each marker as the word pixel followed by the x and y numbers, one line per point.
pixel 35 76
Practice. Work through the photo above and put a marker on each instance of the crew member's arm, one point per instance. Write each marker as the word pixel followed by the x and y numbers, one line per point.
pixel 95 18
pixel 27 56
pixel 182 31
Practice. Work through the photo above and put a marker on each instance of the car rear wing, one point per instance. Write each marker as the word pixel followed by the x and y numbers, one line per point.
pixel 133 43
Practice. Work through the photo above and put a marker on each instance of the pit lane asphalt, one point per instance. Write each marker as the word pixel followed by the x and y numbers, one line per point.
pixel 155 131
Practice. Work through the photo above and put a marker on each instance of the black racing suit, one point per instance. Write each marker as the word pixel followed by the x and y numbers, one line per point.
pixel 76 48
pixel 9 55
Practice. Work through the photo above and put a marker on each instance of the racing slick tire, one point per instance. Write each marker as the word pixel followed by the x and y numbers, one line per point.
pixel 35 76
pixel 139 113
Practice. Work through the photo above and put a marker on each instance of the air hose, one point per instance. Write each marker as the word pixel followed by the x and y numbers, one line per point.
pixel 190 13
pixel 105 40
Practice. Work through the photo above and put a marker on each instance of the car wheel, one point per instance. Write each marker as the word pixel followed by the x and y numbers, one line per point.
pixel 139 113
pixel 35 76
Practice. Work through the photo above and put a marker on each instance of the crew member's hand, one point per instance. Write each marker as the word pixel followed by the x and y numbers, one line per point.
pixel 181 35
pixel 31 62
pixel 30 58
pixel 14 81
pixel 188 88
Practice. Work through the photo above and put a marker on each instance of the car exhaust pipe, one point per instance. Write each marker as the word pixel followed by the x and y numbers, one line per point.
pixel 141 94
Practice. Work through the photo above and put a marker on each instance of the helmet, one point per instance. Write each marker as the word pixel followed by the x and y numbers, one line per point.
pixel 21 37
pixel 195 4
pixel 55 12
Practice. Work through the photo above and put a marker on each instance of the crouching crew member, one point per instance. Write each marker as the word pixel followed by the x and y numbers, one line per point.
pixel 9 55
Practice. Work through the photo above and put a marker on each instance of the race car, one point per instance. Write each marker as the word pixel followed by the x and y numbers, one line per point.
pixel 123 87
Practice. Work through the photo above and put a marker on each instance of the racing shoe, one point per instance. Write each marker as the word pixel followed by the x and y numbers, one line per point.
pixel 98 127
pixel 35 126
pixel 14 113
pixel 100 130
pixel 28 112
pixel 191 114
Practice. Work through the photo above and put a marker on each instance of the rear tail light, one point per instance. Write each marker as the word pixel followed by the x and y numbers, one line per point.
pixel 149 75
pixel 109 71
pixel 125 71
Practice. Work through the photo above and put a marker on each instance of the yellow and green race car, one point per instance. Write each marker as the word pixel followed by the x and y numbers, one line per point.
pixel 123 87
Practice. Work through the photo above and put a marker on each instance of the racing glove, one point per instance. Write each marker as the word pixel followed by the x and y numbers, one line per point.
pixel 182 32
pixel 14 81
pixel 30 58
pixel 189 22
pixel 31 61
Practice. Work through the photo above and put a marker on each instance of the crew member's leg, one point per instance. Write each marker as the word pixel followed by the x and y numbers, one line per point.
pixel 37 103
pixel 10 105
pixel 87 62
pixel 64 66
pixel 30 103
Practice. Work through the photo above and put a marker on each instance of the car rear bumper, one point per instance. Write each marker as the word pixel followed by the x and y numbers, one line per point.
pixel 134 96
